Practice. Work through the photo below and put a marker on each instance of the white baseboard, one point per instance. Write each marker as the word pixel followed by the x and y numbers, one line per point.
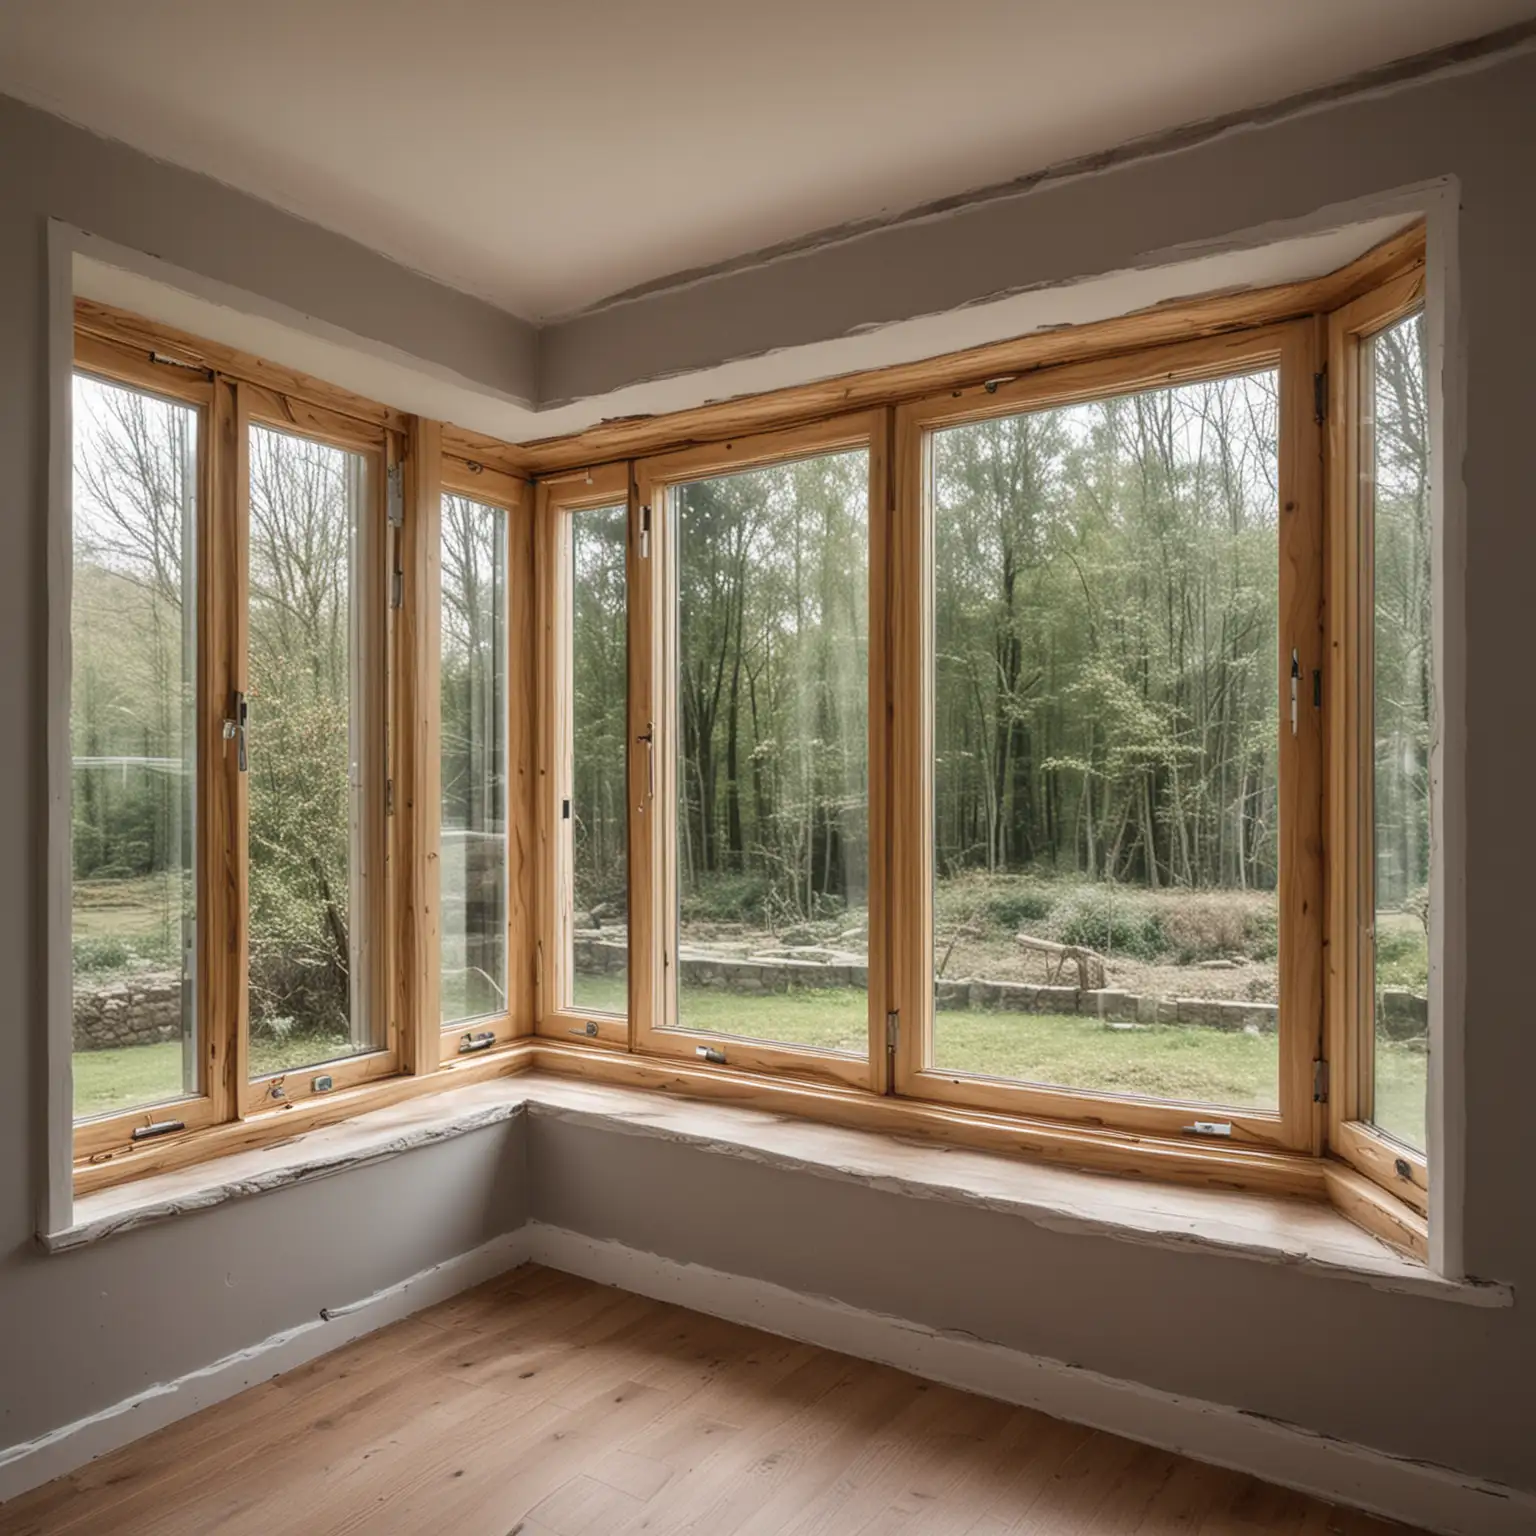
pixel 62 1450
pixel 1418 1492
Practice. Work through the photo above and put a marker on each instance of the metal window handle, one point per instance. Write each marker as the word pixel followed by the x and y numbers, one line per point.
pixel 235 727
pixel 648 736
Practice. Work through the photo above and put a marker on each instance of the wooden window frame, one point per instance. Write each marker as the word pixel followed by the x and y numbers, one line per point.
pixel 558 500
pixel 508 493
pixel 103 359
pixel 1309 1148
pixel 1400 1171
pixel 654 734
pixel 1293 350
pixel 232 391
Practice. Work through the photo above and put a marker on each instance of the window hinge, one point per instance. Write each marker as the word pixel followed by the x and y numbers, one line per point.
pixel 395 497
pixel 1320 396
pixel 176 362
pixel 645 533
pixel 389 797
pixel 1319 1081
pixel 397 589
pixel 892 1039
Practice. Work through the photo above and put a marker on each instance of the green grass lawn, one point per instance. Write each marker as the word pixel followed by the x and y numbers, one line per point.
pixel 1204 1066
pixel 106 1081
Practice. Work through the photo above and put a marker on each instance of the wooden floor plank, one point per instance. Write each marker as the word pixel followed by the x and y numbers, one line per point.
pixel 548 1406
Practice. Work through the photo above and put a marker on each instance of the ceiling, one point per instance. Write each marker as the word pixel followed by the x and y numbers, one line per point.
pixel 547 155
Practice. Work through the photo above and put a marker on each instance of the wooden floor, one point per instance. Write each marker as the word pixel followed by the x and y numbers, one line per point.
pixel 542 1405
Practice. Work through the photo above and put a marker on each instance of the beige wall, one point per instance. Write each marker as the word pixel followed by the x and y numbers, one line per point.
pixel 1418 1377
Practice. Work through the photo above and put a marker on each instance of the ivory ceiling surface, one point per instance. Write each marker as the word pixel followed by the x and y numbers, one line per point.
pixel 546 155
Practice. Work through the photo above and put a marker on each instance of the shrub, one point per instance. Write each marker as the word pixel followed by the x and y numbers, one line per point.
pixel 1402 958
pixel 1214 925
pixel 1262 940
pixel 104 954
pixel 1109 921
pixel 1010 910
pixel 726 898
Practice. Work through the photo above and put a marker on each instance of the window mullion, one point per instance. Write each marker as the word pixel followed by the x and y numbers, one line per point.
pixel 648 751
pixel 1302 660
pixel 415 754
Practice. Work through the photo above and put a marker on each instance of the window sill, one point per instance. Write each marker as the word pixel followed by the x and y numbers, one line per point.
pixel 1310 1236
pixel 367 1137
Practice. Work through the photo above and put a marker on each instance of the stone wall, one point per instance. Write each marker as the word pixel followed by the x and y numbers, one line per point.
pixel 145 1008
pixel 1404 1015
pixel 140 1009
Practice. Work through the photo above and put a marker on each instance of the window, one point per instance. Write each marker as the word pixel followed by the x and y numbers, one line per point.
pixel 232 635
pixel 1109 858
pixel 1383 728
pixel 133 730
pixel 585 574
pixel 1048 760
pixel 1395 504
pixel 313 795
pixel 473 769
pixel 595 820
pixel 981 751
pixel 754 751
pixel 470 556
pixel 1106 693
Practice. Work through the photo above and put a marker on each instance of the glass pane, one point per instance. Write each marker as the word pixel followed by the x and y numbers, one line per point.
pixel 1397 425
pixel 599 692
pixel 773 753
pixel 308 971
pixel 473 907
pixel 1106 709
pixel 133 733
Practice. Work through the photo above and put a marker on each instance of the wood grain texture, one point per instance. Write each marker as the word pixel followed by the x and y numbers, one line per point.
pixel 149 339
pixel 1349 994
pixel 1300 891
pixel 417 768
pixel 1210 1163
pixel 540 1403
pixel 1370 1206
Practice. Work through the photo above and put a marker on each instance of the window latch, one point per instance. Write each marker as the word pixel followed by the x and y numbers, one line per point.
pixel 647 738
pixel 158 1128
pixel 1295 684
pixel 235 727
